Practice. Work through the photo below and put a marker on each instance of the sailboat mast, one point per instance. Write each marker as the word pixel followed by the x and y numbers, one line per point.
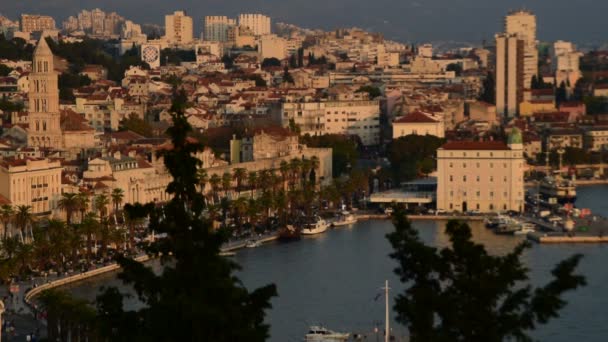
pixel 386 321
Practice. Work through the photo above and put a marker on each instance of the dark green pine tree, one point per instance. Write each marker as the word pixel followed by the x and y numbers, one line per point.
pixel 461 293
pixel 561 94
pixel 196 296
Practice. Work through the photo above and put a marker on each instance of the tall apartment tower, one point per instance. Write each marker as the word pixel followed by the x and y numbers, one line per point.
pixel 178 28
pixel 217 28
pixel 258 23
pixel 523 25
pixel 36 23
pixel 509 74
pixel 44 117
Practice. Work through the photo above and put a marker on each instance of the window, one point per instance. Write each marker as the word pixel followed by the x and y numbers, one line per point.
pixel 491 178
pixel 451 193
pixel 491 206
pixel 451 206
pixel 505 179
pixel 464 178
pixel 491 193
pixel 464 165
pixel 478 194
pixel 477 206
pixel 478 165
pixel 451 178
pixel 491 165
pixel 451 165
pixel 477 178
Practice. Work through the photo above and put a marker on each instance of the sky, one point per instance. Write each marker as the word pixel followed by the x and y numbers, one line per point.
pixel 417 21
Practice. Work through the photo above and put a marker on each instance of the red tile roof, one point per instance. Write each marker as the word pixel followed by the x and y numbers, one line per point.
pixel 476 145
pixel 416 117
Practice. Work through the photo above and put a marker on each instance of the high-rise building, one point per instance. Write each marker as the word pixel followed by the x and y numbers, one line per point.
pixel 258 23
pixel 36 23
pixel 178 28
pixel 44 117
pixel 85 20
pixel 217 28
pixel 522 24
pixel 97 21
pixel 509 74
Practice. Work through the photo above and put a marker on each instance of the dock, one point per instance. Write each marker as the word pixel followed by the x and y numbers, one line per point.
pixel 586 230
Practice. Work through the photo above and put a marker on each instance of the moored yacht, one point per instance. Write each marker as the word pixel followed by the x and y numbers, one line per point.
pixel 345 219
pixel 317 226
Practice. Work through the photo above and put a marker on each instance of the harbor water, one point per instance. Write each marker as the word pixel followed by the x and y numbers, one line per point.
pixel 333 279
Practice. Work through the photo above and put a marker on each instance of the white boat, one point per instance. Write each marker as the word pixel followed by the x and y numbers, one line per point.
pixel 253 244
pixel 345 219
pixel 317 227
pixel 322 334
pixel 526 228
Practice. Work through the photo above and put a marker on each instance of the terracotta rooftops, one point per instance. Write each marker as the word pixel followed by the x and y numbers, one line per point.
pixel 416 117
pixel 476 145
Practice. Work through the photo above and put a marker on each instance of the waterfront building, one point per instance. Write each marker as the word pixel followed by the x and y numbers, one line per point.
pixel 178 28
pixel 34 182
pixel 596 139
pixel 258 23
pixel 217 28
pixel 418 123
pixel 36 23
pixel 484 176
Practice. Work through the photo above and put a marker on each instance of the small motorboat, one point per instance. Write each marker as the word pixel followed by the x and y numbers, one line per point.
pixel 253 244
pixel 322 334
pixel 526 228
pixel 345 219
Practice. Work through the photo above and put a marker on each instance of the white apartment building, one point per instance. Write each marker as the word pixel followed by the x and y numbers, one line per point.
pixel 178 28
pixel 567 63
pixel 217 27
pixel 522 24
pixel 36 23
pixel 510 74
pixel 359 117
pixel 31 181
pixel 485 176
pixel 258 23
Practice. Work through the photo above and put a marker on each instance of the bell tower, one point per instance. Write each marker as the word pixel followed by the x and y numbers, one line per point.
pixel 44 117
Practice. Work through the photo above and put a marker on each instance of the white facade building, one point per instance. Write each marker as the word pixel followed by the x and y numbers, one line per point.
pixel 271 46
pixel 418 123
pixel 217 27
pixel 485 176
pixel 258 23
pixel 522 24
pixel 178 28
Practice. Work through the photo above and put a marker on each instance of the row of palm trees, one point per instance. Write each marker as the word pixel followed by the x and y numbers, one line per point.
pixel 30 244
pixel 291 175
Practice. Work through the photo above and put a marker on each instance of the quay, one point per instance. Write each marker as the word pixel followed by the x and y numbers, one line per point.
pixel 565 238
pixel 593 230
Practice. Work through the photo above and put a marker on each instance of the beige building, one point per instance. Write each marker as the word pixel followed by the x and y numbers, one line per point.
pixel 217 27
pixel 272 46
pixel 418 123
pixel 357 117
pixel 509 74
pixel 258 23
pixel 483 176
pixel 522 24
pixel 178 28
pixel 36 23
pixel 35 182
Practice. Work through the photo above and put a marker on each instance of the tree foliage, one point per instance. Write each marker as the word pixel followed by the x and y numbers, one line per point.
pixel 461 293
pixel 344 150
pixel 15 49
pixel 489 89
pixel 412 155
pixel 196 297
pixel 271 62
pixel 137 125
pixel 371 90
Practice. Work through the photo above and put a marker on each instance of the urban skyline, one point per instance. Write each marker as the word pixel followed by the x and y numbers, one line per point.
pixel 409 21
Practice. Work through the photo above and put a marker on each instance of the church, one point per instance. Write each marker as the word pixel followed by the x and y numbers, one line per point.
pixel 50 127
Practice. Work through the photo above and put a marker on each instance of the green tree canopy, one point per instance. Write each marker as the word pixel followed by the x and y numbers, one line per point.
pixel 344 150
pixel 413 155
pixel 371 90
pixel 461 293
pixel 137 125
pixel 271 62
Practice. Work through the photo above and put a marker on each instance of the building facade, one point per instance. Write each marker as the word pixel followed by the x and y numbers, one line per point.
pixel 258 23
pixel 509 74
pixel 178 28
pixel 34 182
pixel 44 117
pixel 217 28
pixel 522 24
pixel 36 23
pixel 483 176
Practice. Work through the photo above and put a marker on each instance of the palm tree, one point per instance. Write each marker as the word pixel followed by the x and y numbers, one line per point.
pixel 89 227
pixel 294 168
pixel 284 170
pixel 69 202
pixel 305 168
pixel 23 219
pixel 83 204
pixel 226 183
pixel 252 181
pixel 264 180
pixel 203 179
pixel 314 165
pixel 239 175
pixel 117 197
pixel 6 216
pixel 101 203
pixel 215 182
